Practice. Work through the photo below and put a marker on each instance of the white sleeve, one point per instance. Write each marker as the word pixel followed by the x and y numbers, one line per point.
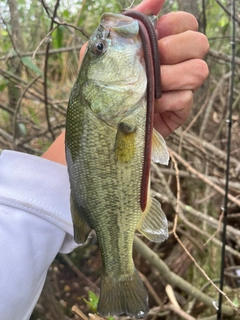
pixel 35 224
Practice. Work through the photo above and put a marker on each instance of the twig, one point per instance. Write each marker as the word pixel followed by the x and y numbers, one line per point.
pixel 180 312
pixel 5 108
pixel 206 234
pixel 192 123
pixel 46 69
pixel 233 233
pixel 202 271
pixel 203 178
pixel 151 290
pixel 157 312
pixel 209 318
pixel 223 57
pixel 209 148
pixel 211 101
pixel 12 77
pixel 10 37
pixel 186 174
pixel 174 279
pixel 218 228
pixel 204 287
pixel 95 317
pixel 39 53
pixel 233 215
pixel 43 40
pixel 18 108
pixel 79 313
pixel 91 316
pixel 6 58
pixel 171 296
pixel 179 240
pixel 228 12
pixel 194 227
pixel 235 104
pixel 53 18
pixel 79 273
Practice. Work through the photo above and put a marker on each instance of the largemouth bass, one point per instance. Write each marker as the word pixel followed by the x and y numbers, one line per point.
pixel 105 151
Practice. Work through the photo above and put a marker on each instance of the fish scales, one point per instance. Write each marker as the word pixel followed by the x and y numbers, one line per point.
pixel 109 206
pixel 105 140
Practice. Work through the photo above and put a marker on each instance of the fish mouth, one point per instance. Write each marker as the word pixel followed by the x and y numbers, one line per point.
pixel 123 25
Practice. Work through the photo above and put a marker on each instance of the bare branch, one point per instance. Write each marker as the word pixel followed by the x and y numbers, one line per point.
pixel 40 53
pixel 18 107
pixel 220 56
pixel 174 279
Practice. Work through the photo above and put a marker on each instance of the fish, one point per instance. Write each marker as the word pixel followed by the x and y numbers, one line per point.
pixel 106 149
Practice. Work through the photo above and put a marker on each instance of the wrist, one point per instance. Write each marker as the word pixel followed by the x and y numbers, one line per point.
pixel 56 152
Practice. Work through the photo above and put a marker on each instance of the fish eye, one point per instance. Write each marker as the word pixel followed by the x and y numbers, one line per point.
pixel 100 47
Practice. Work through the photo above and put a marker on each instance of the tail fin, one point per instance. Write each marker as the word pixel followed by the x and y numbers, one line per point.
pixel 127 297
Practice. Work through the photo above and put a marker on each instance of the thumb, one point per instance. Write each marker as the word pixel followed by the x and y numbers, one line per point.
pixel 149 7
pixel 81 53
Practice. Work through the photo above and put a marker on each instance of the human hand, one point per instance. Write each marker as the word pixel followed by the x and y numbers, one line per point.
pixel 182 49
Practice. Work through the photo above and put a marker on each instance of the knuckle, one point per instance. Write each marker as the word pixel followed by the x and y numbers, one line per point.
pixel 204 71
pixel 203 43
pixel 201 73
pixel 199 41
pixel 187 20
pixel 192 21
pixel 186 100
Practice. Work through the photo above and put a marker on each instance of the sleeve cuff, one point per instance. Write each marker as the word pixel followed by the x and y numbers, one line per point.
pixel 39 187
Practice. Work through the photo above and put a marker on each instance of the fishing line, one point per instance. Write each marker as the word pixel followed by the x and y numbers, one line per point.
pixel 229 122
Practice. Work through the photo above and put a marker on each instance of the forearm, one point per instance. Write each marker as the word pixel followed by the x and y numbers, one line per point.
pixel 56 152
pixel 35 224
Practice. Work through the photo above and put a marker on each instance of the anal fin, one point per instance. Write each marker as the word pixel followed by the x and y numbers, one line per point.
pixel 80 227
pixel 153 224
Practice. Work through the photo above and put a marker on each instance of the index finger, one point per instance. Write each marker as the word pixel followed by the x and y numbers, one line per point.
pixel 81 54
pixel 175 23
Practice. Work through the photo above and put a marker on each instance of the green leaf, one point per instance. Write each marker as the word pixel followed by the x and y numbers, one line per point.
pixel 65 14
pixel 92 301
pixel 34 115
pixel 3 84
pixel 236 302
pixel 28 63
pixel 3 33
pixel 57 37
pixel 60 30
pixel 22 128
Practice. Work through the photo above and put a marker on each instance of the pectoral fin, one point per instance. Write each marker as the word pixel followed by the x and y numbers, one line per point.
pixel 125 143
pixel 80 227
pixel 153 224
pixel 159 149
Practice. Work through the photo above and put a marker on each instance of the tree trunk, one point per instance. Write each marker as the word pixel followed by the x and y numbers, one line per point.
pixel 14 64
pixel 189 6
